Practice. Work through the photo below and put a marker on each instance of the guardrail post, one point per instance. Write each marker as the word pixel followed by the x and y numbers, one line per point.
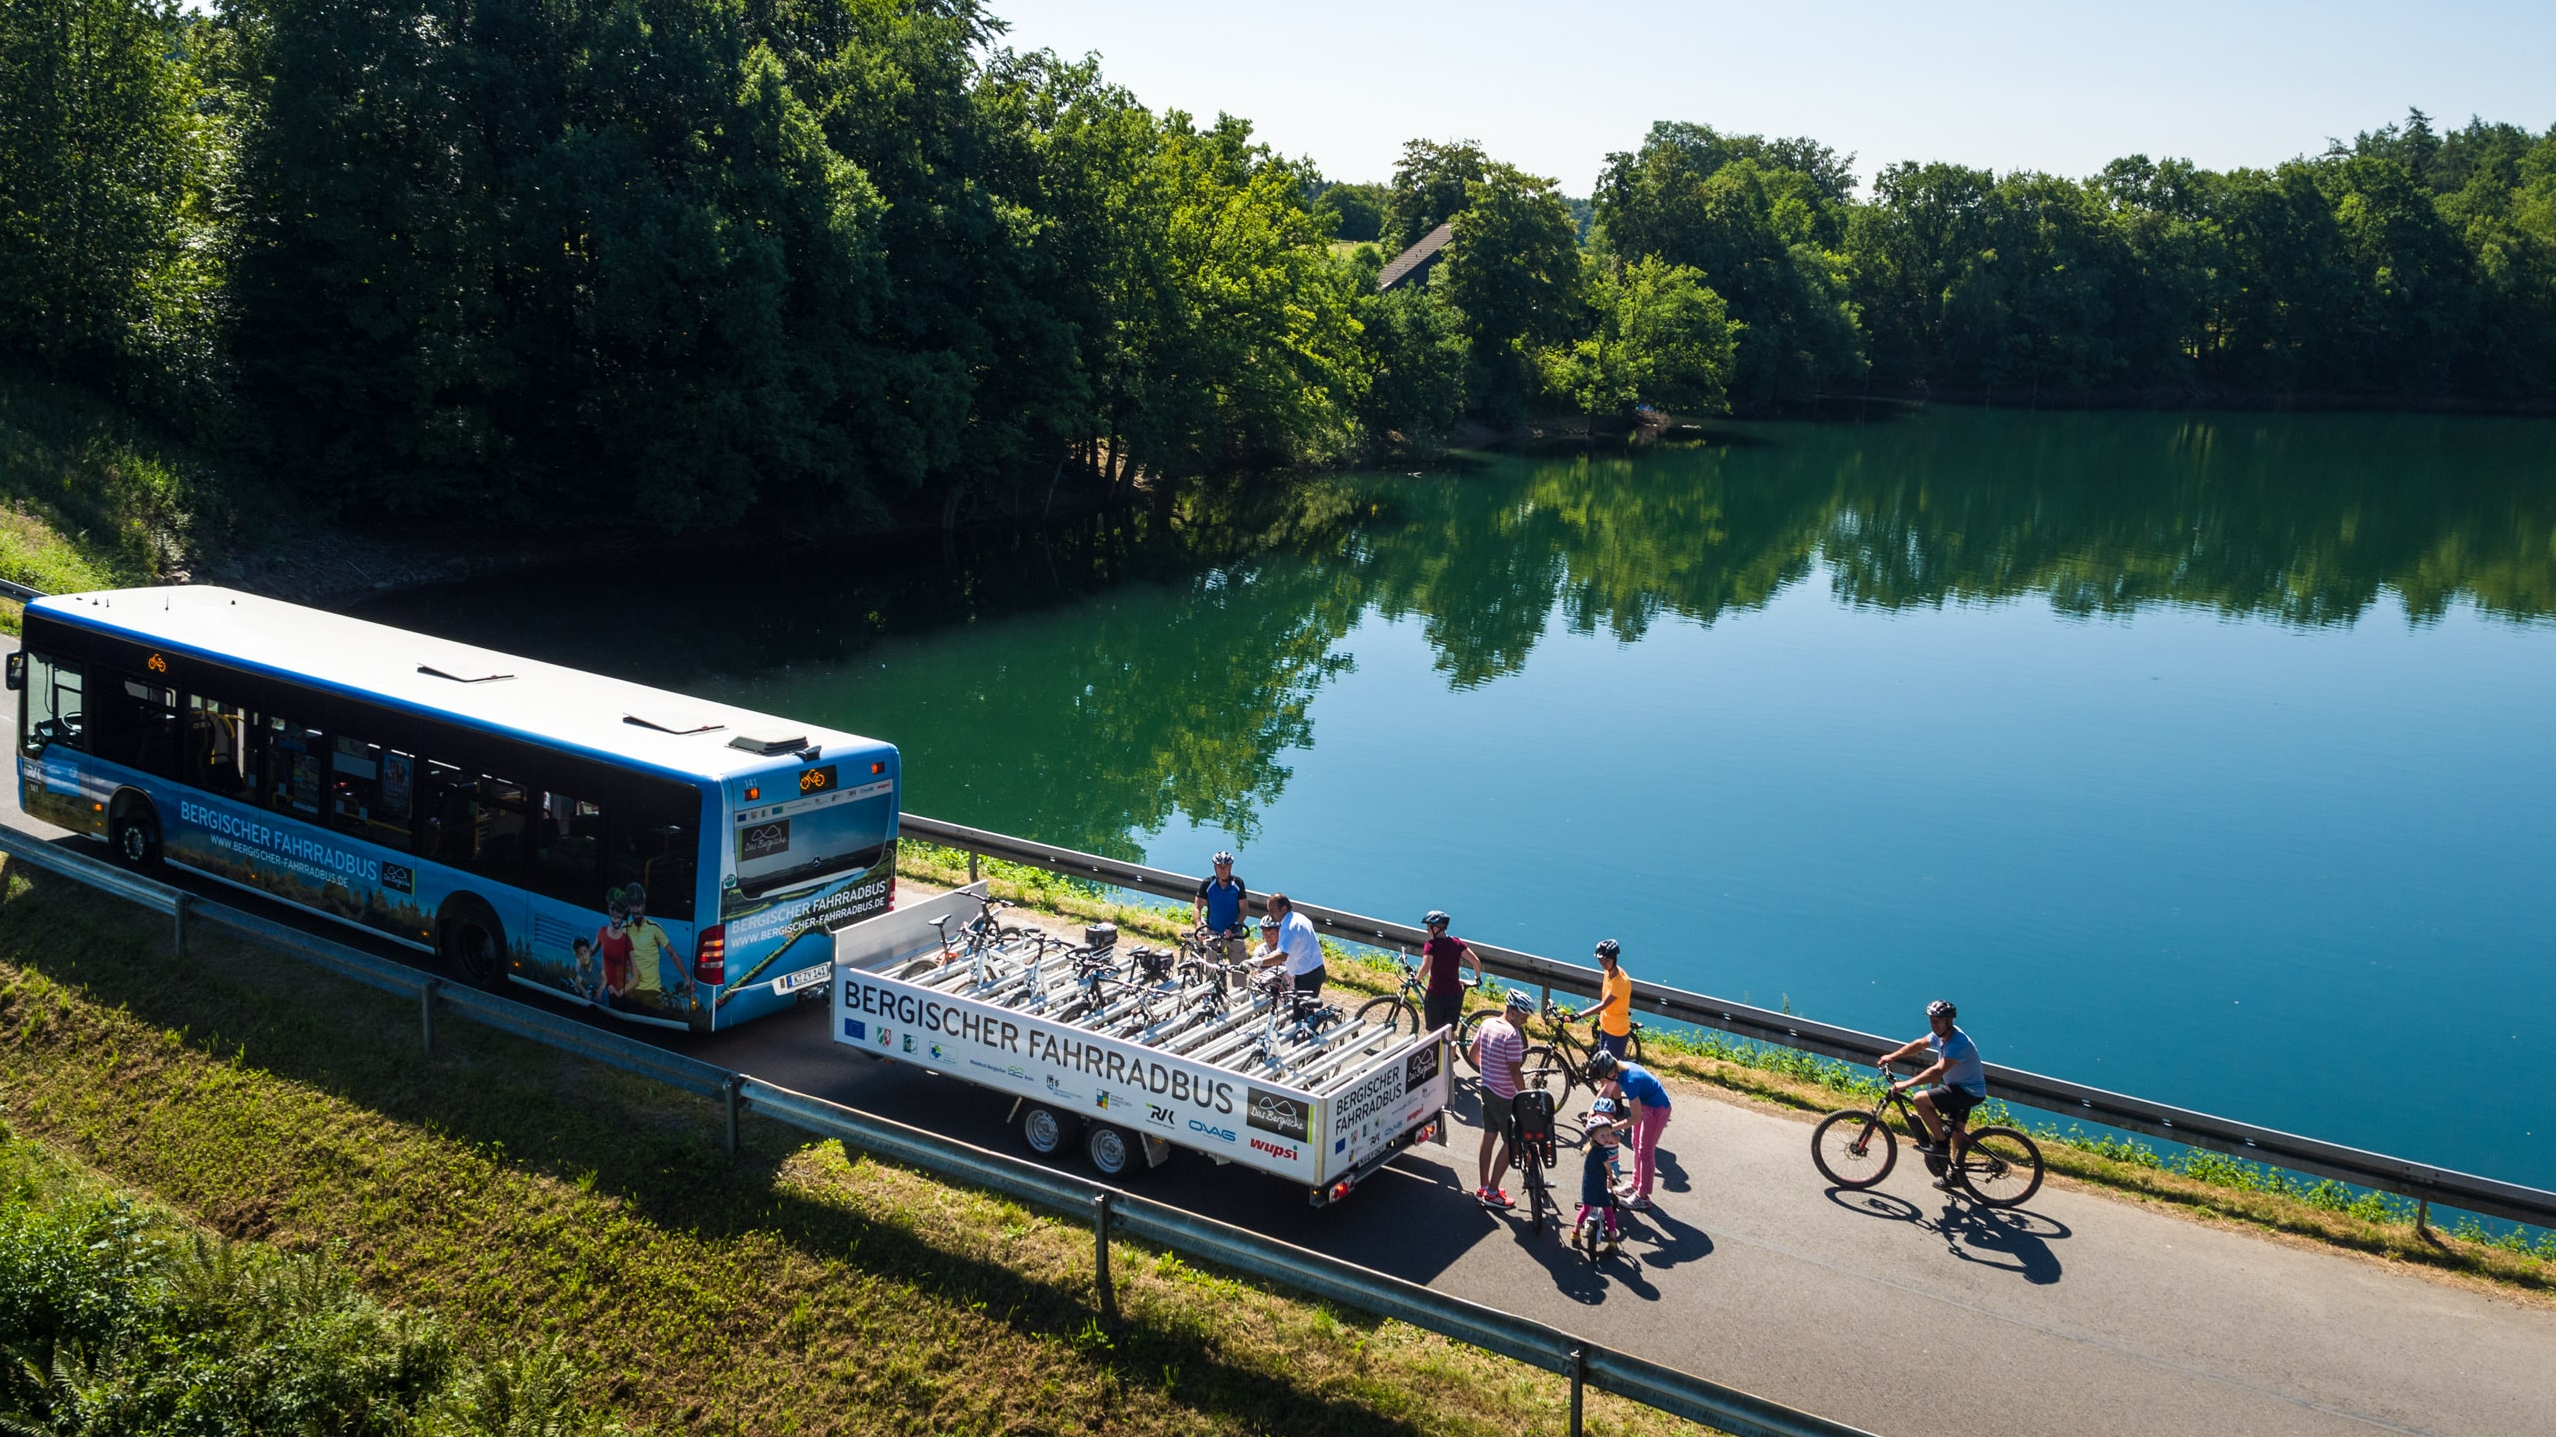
pixel 1104 1291
pixel 177 922
pixel 426 1011
pixel 733 1085
pixel 1579 1380
pixel 971 865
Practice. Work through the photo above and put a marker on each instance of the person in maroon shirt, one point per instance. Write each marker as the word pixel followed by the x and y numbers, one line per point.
pixel 1443 960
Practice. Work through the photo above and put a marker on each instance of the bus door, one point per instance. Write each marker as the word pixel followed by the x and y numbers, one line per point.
pixel 52 730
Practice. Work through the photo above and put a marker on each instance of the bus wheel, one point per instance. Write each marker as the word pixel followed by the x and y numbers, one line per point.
pixel 1043 1129
pixel 137 834
pixel 475 943
pixel 1112 1150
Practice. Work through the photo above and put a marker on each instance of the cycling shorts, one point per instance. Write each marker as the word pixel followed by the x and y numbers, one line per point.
pixel 1953 1103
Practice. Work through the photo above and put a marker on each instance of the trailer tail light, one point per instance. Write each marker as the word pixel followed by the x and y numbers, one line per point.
pixel 1340 1189
pixel 710 962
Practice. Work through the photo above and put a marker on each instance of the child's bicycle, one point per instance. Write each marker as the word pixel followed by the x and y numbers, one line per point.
pixel 1855 1148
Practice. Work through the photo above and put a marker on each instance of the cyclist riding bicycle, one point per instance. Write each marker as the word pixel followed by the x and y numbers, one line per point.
pixel 1958 1083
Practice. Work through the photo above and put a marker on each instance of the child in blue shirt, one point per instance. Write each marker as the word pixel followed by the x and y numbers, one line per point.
pixel 1594 1227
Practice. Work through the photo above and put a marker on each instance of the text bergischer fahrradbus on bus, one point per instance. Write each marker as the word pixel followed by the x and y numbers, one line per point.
pixel 667 859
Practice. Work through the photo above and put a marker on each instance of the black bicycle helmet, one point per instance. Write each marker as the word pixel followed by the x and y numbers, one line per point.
pixel 1941 1008
pixel 1607 948
pixel 1435 920
pixel 1602 1063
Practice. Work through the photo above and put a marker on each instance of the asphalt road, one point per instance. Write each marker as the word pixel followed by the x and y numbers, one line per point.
pixel 1897 1309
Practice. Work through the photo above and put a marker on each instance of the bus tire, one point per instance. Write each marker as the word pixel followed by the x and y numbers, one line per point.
pixel 1114 1151
pixel 135 833
pixel 473 941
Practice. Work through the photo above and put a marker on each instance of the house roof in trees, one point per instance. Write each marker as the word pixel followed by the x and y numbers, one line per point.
pixel 1414 262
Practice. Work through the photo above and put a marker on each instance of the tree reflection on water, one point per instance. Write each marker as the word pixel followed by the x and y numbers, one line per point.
pixel 1098 679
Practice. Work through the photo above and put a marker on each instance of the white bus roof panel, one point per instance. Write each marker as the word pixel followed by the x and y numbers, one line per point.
pixel 665 730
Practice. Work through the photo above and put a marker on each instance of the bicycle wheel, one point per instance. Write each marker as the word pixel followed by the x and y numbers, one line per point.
pixel 1465 1031
pixel 1537 1203
pixel 1633 1045
pixel 2001 1167
pixel 1392 1012
pixel 1547 1070
pixel 1853 1148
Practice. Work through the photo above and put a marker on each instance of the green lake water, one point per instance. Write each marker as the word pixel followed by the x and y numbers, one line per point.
pixel 2206 757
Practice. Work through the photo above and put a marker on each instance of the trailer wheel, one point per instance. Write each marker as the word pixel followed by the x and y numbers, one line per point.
pixel 1111 1150
pixel 1043 1128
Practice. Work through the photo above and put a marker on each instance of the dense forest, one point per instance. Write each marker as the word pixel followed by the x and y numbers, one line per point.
pixel 688 264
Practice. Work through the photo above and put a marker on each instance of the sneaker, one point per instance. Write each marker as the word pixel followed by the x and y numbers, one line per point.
pixel 1640 1204
pixel 1497 1197
pixel 1946 1185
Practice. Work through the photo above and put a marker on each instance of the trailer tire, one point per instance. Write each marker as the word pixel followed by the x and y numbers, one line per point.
pixel 1043 1130
pixel 1114 1152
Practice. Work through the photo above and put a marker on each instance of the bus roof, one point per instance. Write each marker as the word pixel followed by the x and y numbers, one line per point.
pixel 568 707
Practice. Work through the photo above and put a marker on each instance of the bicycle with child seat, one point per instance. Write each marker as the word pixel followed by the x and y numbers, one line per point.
pixel 1404 1009
pixel 1531 1145
pixel 1856 1148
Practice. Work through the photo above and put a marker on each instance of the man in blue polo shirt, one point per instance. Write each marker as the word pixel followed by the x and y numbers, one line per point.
pixel 1219 908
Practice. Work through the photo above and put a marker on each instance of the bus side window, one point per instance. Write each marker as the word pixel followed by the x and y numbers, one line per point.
pixel 447 823
pixel 649 847
pixel 567 851
pixel 290 764
pixel 368 790
pixel 504 813
pixel 53 705
pixel 135 723
pixel 216 746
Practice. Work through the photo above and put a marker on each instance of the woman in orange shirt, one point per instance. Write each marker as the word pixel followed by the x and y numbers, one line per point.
pixel 1614 1011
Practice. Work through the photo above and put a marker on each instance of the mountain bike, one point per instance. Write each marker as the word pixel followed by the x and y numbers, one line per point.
pixel 1402 1010
pixel 1565 1060
pixel 1855 1148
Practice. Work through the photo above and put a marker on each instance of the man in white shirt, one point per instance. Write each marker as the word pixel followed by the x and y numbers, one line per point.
pixel 1294 945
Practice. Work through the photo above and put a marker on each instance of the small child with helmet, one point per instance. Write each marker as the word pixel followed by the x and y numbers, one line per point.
pixel 1594 1228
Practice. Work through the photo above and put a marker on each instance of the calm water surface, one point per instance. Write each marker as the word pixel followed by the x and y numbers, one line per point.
pixel 2204 757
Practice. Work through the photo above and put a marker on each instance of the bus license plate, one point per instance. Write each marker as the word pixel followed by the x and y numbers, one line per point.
pixel 789 983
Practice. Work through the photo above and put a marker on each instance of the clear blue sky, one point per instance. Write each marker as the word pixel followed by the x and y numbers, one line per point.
pixel 2053 86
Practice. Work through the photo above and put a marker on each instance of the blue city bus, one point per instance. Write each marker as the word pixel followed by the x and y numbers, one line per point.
pixel 666 859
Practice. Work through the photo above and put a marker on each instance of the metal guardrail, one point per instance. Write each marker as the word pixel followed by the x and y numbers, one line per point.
pixel 1113 1213
pixel 2421 1181
pixel 1116 1212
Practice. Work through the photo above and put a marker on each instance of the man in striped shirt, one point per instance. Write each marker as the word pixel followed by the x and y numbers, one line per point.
pixel 1499 1055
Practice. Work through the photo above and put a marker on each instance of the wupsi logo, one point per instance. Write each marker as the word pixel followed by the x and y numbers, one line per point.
pixel 1154 1114
pixel 1220 1134
pixel 1280 1151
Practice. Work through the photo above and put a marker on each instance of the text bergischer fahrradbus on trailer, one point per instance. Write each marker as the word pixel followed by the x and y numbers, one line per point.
pixel 1143 1057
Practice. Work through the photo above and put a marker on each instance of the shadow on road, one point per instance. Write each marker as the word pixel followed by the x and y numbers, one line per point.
pixel 2009 1240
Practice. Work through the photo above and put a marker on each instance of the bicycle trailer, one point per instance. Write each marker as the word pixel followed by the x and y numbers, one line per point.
pixel 1140 1057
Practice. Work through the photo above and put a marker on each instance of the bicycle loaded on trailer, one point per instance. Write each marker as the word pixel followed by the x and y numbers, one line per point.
pixel 1856 1148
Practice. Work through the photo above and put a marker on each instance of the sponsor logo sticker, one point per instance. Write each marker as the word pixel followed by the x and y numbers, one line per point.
pixel 1420 1067
pixel 856 1030
pixel 399 878
pixel 1275 1113
pixel 1280 1151
pixel 1157 1114
pixel 1225 1135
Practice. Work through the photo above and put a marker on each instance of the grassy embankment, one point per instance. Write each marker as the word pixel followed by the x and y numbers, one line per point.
pixel 2203 1184
pixel 527 1198
pixel 90 497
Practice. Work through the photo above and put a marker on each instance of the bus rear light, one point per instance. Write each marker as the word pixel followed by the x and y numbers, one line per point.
pixel 710 964
pixel 878 767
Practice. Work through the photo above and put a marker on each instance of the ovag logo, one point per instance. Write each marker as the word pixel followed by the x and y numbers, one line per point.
pixel 1220 1134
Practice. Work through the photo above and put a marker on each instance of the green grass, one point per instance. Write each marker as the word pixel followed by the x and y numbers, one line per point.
pixel 90 497
pixel 526 1198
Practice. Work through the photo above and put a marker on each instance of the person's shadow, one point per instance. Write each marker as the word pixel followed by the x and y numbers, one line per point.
pixel 1671 1173
pixel 2007 1239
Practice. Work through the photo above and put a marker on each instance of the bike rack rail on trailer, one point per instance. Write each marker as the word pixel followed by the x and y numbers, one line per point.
pixel 1175 1059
